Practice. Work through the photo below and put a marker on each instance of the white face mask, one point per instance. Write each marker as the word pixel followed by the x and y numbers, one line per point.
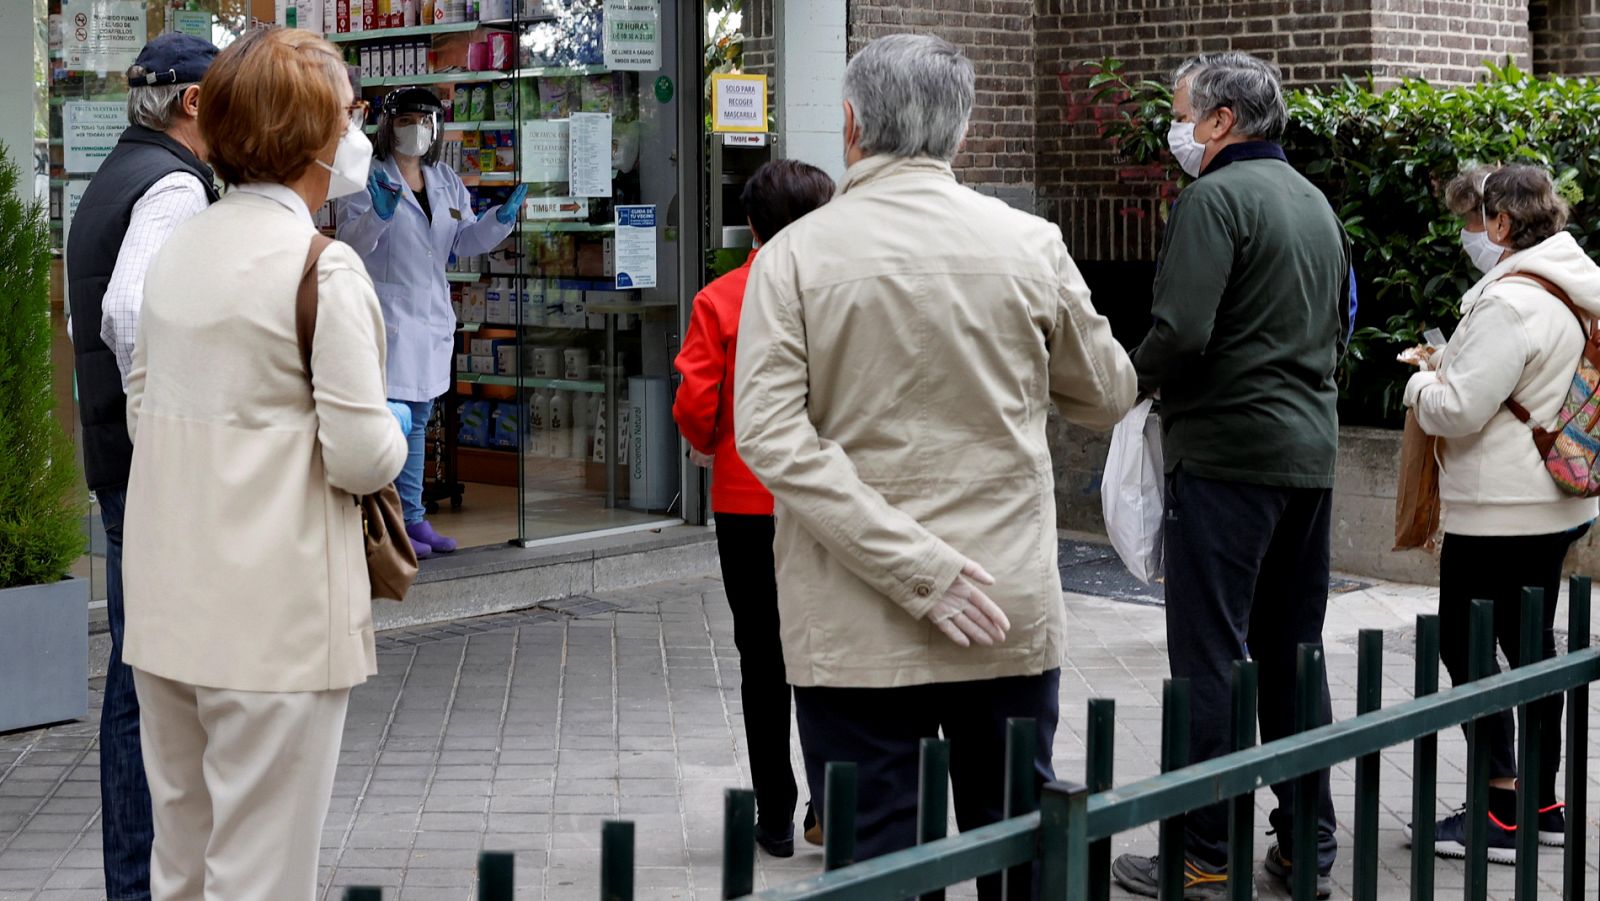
pixel 1188 151
pixel 414 140
pixel 351 162
pixel 1483 252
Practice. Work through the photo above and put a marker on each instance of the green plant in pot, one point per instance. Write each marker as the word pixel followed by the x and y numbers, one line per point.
pixel 41 527
pixel 43 616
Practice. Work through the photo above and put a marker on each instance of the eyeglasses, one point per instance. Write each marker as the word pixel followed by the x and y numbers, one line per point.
pixel 358 112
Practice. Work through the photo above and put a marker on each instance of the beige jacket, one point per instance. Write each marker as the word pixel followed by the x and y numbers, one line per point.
pixel 243 564
pixel 899 350
pixel 1515 341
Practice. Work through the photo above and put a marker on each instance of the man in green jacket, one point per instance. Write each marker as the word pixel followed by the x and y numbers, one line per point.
pixel 1250 303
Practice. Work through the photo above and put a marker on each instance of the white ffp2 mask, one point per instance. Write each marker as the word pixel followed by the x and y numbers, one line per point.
pixel 1483 253
pixel 414 140
pixel 1187 151
pixel 352 161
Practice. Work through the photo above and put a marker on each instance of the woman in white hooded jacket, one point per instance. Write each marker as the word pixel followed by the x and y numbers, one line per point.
pixel 1507 524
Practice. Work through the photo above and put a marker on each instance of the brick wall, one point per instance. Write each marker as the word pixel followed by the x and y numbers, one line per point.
pixel 1110 210
pixel 760 37
pixel 999 156
pixel 1566 36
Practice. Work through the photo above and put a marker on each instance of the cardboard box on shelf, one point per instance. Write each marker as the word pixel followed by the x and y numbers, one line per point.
pixel 483 365
pixel 506 360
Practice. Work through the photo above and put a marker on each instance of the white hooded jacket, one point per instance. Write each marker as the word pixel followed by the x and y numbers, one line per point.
pixel 1517 341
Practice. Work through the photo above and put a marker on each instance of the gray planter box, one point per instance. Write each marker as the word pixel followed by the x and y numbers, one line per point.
pixel 44 654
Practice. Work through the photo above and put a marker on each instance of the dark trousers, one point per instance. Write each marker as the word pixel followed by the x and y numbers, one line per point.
pixel 125 821
pixel 1247 567
pixel 744 544
pixel 881 731
pixel 1497 569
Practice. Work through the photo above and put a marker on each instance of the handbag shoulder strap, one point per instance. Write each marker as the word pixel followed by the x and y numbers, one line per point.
pixel 1542 437
pixel 305 299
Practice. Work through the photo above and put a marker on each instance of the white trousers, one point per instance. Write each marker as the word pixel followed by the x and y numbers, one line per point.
pixel 240 783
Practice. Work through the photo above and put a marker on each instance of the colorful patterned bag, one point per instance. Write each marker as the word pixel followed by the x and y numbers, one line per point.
pixel 1572 450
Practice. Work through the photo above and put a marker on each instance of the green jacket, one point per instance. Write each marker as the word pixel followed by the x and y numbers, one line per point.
pixel 1249 324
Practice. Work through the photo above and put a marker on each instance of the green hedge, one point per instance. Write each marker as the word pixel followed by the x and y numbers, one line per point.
pixel 1383 159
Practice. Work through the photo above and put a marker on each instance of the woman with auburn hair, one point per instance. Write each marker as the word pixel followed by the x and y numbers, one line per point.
pixel 248 604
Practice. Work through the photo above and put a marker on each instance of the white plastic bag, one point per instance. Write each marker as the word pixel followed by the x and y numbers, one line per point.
pixel 1131 492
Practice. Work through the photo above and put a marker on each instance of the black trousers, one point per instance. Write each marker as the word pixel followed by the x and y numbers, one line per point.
pixel 1247 573
pixel 1497 569
pixel 881 731
pixel 744 543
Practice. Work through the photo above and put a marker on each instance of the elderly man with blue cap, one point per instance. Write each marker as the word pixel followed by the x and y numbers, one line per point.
pixel 153 180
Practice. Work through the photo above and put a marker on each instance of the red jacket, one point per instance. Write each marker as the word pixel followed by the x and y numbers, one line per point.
pixel 704 405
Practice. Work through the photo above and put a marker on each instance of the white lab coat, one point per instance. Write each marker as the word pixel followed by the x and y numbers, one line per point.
pixel 406 257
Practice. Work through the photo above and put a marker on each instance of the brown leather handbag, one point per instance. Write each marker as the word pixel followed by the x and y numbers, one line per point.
pixel 391 560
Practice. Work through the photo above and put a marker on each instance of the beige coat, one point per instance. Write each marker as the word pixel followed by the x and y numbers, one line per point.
pixel 899 351
pixel 1517 341
pixel 243 563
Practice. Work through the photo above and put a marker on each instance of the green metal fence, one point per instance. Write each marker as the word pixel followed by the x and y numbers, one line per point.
pixel 1067 831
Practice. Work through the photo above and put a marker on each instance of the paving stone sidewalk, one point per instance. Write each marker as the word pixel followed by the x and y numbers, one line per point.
pixel 524 731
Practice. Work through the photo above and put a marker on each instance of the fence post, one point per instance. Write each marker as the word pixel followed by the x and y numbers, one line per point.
pixel 496 876
pixel 1424 764
pixel 1098 771
pixel 1022 794
pixel 1064 871
pixel 1242 809
pixel 839 816
pixel 933 797
pixel 1577 745
pixel 363 893
pixel 738 842
pixel 1308 788
pixel 616 860
pixel 1531 650
pixel 1369 697
pixel 1174 756
pixel 1480 663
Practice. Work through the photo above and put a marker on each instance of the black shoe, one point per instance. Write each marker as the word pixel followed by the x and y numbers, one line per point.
pixel 1450 838
pixel 1280 867
pixel 1553 826
pixel 1142 876
pixel 777 840
pixel 813 828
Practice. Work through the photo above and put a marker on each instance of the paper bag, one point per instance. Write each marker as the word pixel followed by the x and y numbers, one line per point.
pixel 1416 498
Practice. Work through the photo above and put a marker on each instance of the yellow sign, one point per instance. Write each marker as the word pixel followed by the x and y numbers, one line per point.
pixel 738 103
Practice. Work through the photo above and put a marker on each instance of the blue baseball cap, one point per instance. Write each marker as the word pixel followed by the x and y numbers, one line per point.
pixel 173 58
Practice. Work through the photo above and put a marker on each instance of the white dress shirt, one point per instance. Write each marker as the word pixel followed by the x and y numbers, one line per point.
pixel 170 201
pixel 284 195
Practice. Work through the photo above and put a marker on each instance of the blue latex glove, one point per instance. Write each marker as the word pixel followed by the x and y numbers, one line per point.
pixel 509 209
pixel 385 195
pixel 402 415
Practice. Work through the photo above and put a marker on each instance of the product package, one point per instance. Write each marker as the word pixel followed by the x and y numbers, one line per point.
pixel 507 426
pixel 502 52
pixel 461 104
pixel 480 103
pixel 599 92
pixel 504 100
pixel 475 416
pixel 554 98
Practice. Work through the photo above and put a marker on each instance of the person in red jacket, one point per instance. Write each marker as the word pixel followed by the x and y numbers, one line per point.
pixel 779 193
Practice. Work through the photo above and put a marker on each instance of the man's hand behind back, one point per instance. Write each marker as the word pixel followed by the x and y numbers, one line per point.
pixel 965 614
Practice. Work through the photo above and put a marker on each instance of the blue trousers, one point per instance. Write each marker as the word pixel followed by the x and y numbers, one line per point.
pixel 125 821
pixel 409 482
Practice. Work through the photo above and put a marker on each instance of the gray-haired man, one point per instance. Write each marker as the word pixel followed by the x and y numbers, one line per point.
pixel 899 350
pixel 153 180
pixel 1250 303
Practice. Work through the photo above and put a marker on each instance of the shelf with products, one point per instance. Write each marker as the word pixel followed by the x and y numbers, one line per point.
pixel 463 276
pixel 542 226
pixel 378 34
pixel 470 77
pixel 450 126
pixel 512 381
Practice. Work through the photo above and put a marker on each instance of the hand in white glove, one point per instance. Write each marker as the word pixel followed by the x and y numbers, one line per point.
pixel 699 459
pixel 965 614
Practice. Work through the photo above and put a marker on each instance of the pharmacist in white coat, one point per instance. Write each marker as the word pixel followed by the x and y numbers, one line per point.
pixel 415 215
